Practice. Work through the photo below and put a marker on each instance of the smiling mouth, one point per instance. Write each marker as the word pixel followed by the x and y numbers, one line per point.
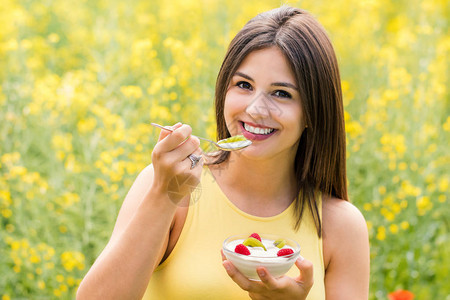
pixel 257 130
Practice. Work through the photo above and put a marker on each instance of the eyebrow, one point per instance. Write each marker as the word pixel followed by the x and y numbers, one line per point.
pixel 285 84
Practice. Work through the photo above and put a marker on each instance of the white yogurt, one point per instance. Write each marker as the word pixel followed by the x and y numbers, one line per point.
pixel 234 145
pixel 259 251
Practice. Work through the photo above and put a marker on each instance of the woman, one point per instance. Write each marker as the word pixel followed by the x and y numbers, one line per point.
pixel 279 86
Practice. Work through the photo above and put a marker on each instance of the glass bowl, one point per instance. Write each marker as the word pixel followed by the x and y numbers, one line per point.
pixel 247 264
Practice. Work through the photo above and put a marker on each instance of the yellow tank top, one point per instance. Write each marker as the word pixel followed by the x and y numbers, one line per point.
pixel 194 268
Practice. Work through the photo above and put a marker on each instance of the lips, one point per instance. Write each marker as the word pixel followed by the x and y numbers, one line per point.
pixel 256 132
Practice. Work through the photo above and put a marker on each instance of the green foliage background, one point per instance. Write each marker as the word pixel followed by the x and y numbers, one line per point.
pixel 80 81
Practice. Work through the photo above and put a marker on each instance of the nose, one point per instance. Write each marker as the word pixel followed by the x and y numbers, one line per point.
pixel 261 106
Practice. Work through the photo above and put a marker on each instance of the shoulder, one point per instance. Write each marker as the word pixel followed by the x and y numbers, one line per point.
pixel 343 226
pixel 341 212
pixel 346 250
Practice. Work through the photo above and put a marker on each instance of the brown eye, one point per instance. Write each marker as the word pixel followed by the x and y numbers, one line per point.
pixel 282 94
pixel 244 85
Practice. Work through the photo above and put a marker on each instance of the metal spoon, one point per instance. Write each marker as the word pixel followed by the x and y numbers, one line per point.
pixel 226 144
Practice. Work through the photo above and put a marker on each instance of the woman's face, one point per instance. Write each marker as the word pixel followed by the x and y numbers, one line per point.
pixel 263 103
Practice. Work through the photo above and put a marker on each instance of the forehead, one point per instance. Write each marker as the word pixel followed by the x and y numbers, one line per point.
pixel 269 63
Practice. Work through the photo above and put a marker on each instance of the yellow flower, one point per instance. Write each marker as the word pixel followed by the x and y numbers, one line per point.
pixel 431 149
pixel 62 142
pixel 72 259
pixel 62 228
pixel 6 213
pixel 388 200
pixel 173 96
pixel 15 245
pixel 71 281
pixel 404 225
pixel 155 86
pixel 387 214
pixel 443 184
pixel 34 259
pixel 393 228
pixel 10 158
pixel 71 164
pixel 369 225
pixel 396 208
pixel 59 278
pixel 381 233
pixel 423 205
pixel 131 91
pixel 41 284
pixel 17 171
pixel 10 228
pixel 446 125
pixel 348 94
pixel 367 206
pixel 68 199
pixel 53 38
pixel 353 128
pixel 162 113
pixel 86 125
pixel 409 189
pixel 346 116
pixel 5 197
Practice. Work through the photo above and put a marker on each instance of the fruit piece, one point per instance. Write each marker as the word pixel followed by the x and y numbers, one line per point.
pixel 241 249
pixel 256 236
pixel 252 242
pixel 280 243
pixel 285 251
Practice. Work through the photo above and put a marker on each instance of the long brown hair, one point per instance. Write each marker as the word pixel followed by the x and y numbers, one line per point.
pixel 320 160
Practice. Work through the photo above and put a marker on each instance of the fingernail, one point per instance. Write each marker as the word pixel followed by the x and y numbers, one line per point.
pixel 261 273
pixel 300 258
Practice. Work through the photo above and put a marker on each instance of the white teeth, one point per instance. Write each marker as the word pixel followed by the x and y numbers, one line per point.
pixel 257 130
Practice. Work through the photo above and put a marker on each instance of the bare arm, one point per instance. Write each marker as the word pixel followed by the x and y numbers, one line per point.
pixel 141 233
pixel 346 245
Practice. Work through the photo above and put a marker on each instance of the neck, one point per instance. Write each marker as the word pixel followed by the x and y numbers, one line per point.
pixel 268 183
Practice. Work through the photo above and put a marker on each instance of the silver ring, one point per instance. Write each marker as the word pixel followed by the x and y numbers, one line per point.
pixel 194 160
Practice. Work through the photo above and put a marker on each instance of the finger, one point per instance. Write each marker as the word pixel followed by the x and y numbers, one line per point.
pixel 242 281
pixel 306 271
pixel 175 138
pixel 197 166
pixel 188 147
pixel 165 133
pixel 267 278
pixel 179 157
pixel 224 258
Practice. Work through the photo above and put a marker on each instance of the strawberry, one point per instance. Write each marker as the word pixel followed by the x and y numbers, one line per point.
pixel 242 249
pixel 285 251
pixel 256 236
